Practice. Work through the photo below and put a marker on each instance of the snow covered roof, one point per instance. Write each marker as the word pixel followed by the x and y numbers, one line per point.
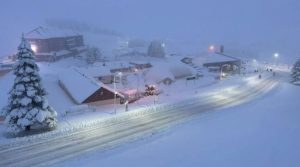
pixel 44 33
pixel 173 69
pixel 180 71
pixel 7 65
pixel 213 58
pixel 156 75
pixel 118 64
pixel 135 62
pixel 72 78
pixel 95 71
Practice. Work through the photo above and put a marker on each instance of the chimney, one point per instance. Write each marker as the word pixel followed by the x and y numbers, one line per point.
pixel 222 49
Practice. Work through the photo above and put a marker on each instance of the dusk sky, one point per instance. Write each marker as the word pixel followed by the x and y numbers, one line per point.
pixel 181 83
pixel 260 24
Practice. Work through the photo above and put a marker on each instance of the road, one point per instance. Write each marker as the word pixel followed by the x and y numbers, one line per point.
pixel 59 148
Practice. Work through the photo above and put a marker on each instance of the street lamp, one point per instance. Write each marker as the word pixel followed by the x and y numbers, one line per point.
pixel 211 48
pixel 138 80
pixel 255 65
pixel 276 56
pixel 119 74
pixel 222 75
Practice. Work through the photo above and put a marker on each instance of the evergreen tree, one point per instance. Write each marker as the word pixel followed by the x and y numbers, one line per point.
pixel 296 73
pixel 27 105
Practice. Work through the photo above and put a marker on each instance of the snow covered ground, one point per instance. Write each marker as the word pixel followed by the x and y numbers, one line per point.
pixel 173 94
pixel 264 132
pixel 176 92
pixel 60 101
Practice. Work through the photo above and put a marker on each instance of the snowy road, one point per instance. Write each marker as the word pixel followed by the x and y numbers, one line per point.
pixel 53 150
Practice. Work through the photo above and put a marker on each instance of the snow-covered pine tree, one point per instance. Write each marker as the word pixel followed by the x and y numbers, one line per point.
pixel 27 104
pixel 296 73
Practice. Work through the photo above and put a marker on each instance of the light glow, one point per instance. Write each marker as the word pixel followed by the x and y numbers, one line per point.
pixel 119 74
pixel 211 47
pixel 34 48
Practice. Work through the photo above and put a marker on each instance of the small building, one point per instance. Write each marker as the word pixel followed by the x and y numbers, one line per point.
pixel 159 76
pixel 5 68
pixel 187 60
pixel 216 62
pixel 100 73
pixel 83 89
pixel 167 72
pixel 141 65
pixel 131 67
pixel 180 71
pixel 52 45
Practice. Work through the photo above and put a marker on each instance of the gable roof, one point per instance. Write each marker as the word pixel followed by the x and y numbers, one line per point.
pixel 79 85
pixel 215 57
pixel 45 33
pixel 95 71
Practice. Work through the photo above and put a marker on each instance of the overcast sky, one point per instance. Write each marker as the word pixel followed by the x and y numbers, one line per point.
pixel 266 23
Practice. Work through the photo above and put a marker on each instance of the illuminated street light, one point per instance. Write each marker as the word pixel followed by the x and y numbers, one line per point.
pixel 222 74
pixel 211 47
pixel 163 45
pixel 276 55
pixel 138 80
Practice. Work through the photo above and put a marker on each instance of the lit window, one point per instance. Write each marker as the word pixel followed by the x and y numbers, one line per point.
pixel 34 48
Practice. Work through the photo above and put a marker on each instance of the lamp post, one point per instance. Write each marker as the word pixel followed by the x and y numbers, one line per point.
pixel 255 65
pixel 276 56
pixel 115 92
pixel 138 80
pixel 221 72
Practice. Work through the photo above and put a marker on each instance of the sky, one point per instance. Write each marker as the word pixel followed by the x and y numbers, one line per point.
pixel 264 25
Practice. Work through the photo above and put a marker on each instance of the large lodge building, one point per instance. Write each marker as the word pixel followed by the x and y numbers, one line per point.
pixel 54 45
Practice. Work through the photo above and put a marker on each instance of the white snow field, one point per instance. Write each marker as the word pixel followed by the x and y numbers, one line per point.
pixel 103 134
pixel 264 132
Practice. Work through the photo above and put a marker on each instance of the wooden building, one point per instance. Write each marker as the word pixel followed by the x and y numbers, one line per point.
pixel 5 68
pixel 90 91
pixel 50 45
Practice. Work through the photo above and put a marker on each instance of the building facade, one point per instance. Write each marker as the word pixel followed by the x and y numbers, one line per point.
pixel 52 46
